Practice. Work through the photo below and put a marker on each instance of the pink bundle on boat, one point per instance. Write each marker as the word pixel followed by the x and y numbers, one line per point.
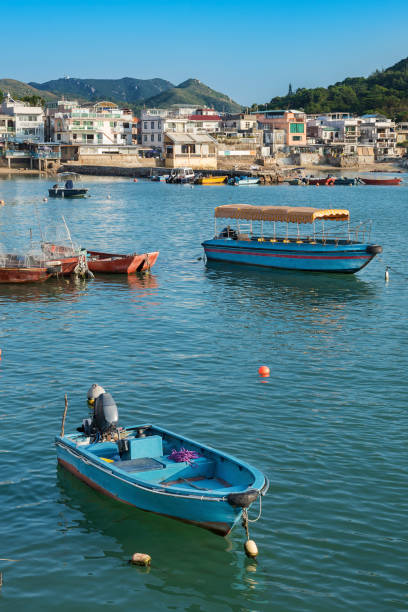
pixel 183 455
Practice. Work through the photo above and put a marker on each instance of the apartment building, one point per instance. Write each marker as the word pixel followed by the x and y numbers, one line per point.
pixel 28 120
pixel 379 132
pixel 292 122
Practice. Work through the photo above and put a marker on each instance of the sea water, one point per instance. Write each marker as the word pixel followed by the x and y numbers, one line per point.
pixel 181 348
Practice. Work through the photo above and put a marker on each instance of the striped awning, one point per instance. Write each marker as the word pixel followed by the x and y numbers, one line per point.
pixel 287 214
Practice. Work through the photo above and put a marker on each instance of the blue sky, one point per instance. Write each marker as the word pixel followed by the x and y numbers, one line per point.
pixel 251 52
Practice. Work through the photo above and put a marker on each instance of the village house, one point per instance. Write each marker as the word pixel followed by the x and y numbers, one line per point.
pixel 28 120
pixel 7 128
pixel 103 123
pixel 292 122
pixel 333 128
pixel 197 151
pixel 380 133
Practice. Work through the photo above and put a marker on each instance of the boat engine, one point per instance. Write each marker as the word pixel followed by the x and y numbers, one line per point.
pixel 103 425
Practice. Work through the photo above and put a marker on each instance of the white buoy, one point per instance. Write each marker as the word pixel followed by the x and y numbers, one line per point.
pixel 45 199
pixel 140 559
pixel 251 549
pixel 109 196
pixel 387 274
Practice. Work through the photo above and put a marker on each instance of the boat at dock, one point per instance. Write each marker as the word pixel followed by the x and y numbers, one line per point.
pixel 239 181
pixel 67 257
pixel 181 175
pixel 156 470
pixel 309 248
pixel 112 263
pixel 211 180
pixel 68 190
pixel 159 178
pixel 371 181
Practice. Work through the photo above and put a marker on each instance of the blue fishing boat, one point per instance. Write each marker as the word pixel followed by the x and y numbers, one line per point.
pixel 156 470
pixel 239 181
pixel 310 247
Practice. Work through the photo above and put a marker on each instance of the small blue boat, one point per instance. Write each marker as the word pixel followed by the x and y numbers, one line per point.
pixel 153 469
pixel 308 248
pixel 239 181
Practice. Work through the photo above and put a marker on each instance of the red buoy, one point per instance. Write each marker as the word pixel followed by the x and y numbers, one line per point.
pixel 264 371
pixel 135 180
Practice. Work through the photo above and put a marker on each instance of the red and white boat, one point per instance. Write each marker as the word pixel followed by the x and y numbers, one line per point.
pixel 374 181
pixel 113 263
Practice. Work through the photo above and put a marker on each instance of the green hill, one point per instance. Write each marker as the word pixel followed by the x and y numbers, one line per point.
pixel 126 90
pixel 384 91
pixel 18 89
pixel 194 93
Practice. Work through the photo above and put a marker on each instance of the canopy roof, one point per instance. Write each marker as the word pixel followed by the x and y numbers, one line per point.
pixel 288 214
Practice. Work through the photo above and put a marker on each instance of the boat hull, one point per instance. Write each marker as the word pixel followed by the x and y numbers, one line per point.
pixel 345 258
pixel 211 180
pixel 25 275
pixel 110 263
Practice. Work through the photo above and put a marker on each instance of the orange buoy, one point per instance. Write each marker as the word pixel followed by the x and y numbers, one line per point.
pixel 264 371
pixel 0 354
pixel 135 180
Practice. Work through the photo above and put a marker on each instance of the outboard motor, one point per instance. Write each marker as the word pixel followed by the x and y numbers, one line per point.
pixel 93 392
pixel 106 414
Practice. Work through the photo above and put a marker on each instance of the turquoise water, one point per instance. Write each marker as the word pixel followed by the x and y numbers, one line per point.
pixel 181 348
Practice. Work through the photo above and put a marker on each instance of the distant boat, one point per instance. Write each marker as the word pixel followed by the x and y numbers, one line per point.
pixel 111 263
pixel 159 178
pixel 156 470
pixel 371 181
pixel 315 249
pixel 239 181
pixel 211 180
pixel 181 175
pixel 68 190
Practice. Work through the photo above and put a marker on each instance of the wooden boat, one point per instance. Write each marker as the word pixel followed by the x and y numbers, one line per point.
pixel 211 180
pixel 159 471
pixel 313 249
pixel 239 181
pixel 111 263
pixel 329 180
pixel 67 257
pixel 371 181
pixel 68 190
pixel 25 269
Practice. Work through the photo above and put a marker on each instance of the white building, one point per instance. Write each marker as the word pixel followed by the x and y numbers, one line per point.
pixel 155 123
pixel 334 128
pixel 379 132
pixel 102 124
pixel 28 120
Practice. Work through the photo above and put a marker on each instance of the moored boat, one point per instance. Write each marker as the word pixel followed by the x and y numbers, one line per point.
pixel 68 257
pixel 111 263
pixel 239 181
pixel 385 181
pixel 26 269
pixel 68 190
pixel 211 180
pixel 156 470
pixel 309 248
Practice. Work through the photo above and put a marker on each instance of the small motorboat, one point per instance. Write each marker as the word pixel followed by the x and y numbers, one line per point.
pixel 16 268
pixel 68 190
pixel 311 246
pixel 344 180
pixel 181 175
pixel 159 178
pixel 239 181
pixel 329 180
pixel 371 181
pixel 211 180
pixel 112 263
pixel 159 471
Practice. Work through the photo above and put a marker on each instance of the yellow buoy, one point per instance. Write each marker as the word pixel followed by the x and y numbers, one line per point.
pixel 140 559
pixel 251 549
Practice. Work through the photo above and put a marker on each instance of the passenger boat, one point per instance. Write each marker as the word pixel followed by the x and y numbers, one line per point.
pixel 25 269
pixel 371 181
pixel 111 263
pixel 309 248
pixel 68 190
pixel 239 181
pixel 211 180
pixel 159 471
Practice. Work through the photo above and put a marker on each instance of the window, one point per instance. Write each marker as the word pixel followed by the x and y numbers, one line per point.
pixel 145 125
pixel 125 125
pixel 152 125
pixel 188 148
pixel 297 128
pixel 159 125
pixel 152 137
pixel 159 137
pixel 145 137
pixel 296 138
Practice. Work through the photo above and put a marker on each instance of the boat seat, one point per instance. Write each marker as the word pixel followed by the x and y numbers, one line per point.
pixel 142 464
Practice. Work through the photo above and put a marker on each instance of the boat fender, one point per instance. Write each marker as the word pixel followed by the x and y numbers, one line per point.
pixel 374 249
pixel 243 500
pixel 251 549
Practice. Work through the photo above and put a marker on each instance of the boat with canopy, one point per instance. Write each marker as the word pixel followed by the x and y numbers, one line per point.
pixel 291 238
